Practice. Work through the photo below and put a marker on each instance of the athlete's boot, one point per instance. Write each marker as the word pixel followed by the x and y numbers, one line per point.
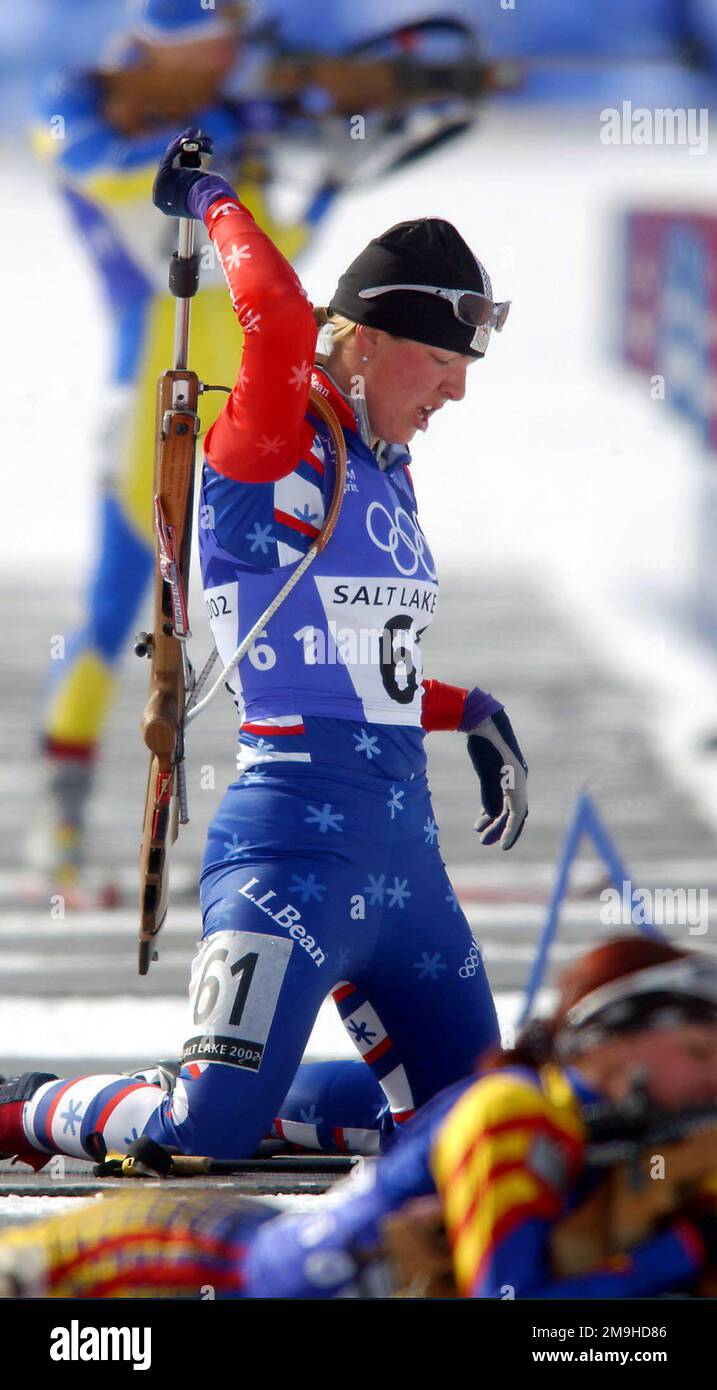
pixel 163 1073
pixel 14 1093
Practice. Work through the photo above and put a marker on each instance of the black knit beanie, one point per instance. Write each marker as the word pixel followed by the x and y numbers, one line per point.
pixel 427 251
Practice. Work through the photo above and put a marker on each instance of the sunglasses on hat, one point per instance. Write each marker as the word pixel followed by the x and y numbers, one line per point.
pixel 476 310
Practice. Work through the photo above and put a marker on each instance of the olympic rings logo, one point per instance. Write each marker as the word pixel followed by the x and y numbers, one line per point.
pixel 400 531
pixel 471 964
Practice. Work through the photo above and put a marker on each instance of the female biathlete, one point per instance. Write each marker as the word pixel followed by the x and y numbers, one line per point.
pixel 504 1151
pixel 322 872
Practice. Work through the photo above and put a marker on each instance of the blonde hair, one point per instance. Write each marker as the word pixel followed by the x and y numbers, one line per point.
pixel 341 328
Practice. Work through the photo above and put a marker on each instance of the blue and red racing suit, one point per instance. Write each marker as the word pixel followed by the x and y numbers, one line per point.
pixel 322 872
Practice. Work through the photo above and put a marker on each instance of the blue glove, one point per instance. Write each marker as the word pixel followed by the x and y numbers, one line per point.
pixel 184 192
pixel 503 774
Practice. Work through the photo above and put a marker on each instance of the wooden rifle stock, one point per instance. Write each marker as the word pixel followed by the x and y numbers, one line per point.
pixel 176 428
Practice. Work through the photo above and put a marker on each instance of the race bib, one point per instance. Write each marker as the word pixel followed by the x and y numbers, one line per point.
pixel 233 992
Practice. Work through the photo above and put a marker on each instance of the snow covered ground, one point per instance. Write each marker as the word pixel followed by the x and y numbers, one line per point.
pixel 71 1021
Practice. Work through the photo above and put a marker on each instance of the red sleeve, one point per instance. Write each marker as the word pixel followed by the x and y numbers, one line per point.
pixel 442 706
pixel 261 432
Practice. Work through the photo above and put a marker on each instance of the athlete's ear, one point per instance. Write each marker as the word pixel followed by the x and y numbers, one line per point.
pixel 367 340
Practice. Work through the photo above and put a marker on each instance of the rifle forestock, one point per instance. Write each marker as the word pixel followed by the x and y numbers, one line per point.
pixel 173 486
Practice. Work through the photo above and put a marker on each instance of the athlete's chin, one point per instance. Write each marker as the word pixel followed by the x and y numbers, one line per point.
pixel 400 432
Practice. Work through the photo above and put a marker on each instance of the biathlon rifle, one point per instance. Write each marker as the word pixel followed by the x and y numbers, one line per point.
pixel 139 97
pixel 174 690
pixel 171 679
pixel 654 1163
pixel 631 1198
